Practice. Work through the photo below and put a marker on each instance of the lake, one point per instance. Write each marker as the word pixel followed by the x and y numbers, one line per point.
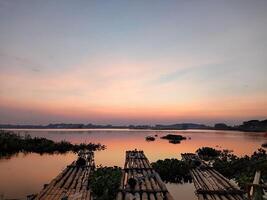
pixel 22 174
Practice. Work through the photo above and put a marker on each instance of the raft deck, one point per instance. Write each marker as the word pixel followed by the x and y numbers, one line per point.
pixel 72 182
pixel 149 185
pixel 210 184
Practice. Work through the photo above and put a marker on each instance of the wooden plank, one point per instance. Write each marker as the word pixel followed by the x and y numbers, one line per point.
pixel 149 185
pixel 210 184
pixel 72 181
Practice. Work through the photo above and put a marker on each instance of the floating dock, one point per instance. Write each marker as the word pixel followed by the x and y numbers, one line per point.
pixel 140 181
pixel 72 182
pixel 210 184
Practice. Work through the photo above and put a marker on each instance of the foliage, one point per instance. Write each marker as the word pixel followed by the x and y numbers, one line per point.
pixel 173 170
pixel 150 138
pixel 254 125
pixel 208 153
pixel 242 169
pixel 175 139
pixel 105 182
pixel 11 143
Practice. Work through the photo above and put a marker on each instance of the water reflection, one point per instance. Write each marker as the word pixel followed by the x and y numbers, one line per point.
pixel 25 174
pixel 7 156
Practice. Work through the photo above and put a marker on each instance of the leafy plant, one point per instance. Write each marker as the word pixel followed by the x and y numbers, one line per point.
pixel 208 153
pixel 105 182
pixel 11 143
pixel 243 169
pixel 173 170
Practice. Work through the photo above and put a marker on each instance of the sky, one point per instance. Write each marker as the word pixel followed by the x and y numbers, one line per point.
pixel 132 62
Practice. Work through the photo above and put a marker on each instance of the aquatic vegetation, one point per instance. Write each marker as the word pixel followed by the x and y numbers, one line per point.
pixel 11 143
pixel 105 182
pixel 150 138
pixel 173 170
pixel 175 139
pixel 264 145
pixel 208 153
pixel 242 169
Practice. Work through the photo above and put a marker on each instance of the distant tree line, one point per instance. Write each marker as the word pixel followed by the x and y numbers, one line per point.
pixel 252 125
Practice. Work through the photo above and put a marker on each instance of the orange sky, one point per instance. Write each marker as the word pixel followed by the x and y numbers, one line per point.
pixel 139 63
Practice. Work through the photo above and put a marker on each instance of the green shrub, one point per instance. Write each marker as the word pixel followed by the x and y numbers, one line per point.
pixel 105 182
pixel 243 169
pixel 11 143
pixel 173 170
pixel 208 153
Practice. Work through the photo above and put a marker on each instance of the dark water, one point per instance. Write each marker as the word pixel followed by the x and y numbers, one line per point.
pixel 25 174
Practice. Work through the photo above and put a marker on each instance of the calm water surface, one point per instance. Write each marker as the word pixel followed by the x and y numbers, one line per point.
pixel 25 174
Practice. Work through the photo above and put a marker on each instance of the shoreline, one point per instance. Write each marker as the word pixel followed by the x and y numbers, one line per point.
pixel 132 129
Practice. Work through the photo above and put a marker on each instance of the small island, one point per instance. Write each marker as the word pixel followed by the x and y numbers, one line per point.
pixel 174 139
pixel 150 138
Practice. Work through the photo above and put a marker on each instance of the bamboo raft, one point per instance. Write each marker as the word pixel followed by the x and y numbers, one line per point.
pixel 149 185
pixel 72 182
pixel 210 184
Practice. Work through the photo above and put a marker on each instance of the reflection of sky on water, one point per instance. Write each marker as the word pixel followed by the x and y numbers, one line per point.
pixel 28 173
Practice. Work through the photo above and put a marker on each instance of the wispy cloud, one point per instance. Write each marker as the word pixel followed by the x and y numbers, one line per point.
pixel 14 62
pixel 119 61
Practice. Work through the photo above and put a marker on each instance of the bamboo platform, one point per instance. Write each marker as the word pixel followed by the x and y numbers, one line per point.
pixel 72 182
pixel 149 185
pixel 210 184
